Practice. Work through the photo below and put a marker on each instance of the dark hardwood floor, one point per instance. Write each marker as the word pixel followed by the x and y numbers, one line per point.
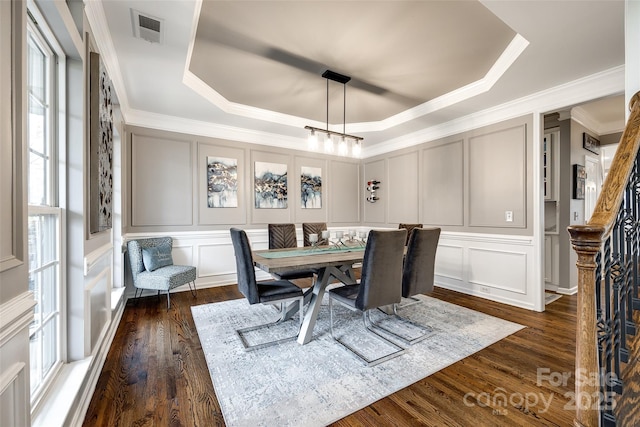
pixel 156 375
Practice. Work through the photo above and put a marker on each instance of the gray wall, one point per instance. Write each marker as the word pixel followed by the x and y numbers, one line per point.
pixel 165 177
pixel 465 182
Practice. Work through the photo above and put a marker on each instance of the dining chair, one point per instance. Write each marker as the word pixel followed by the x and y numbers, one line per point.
pixel 409 228
pixel 267 292
pixel 283 236
pixel 380 285
pixel 417 278
pixel 313 228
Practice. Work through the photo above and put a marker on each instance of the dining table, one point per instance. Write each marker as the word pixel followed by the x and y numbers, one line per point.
pixel 332 262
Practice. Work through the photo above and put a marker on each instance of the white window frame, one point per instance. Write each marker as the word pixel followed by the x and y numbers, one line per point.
pixel 56 182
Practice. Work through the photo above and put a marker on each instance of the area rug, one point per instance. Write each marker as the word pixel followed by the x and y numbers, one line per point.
pixel 315 384
pixel 550 297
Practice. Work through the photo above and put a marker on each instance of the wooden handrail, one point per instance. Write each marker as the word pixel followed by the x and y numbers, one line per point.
pixel 587 241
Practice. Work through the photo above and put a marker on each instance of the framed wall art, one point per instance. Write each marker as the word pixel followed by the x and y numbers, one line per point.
pixel 590 143
pixel 579 176
pixel 100 146
pixel 222 182
pixel 310 187
pixel 270 185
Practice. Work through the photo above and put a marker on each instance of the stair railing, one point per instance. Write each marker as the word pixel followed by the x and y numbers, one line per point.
pixel 608 249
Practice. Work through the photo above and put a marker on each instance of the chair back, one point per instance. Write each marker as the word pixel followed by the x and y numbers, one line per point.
pixel 419 262
pixel 282 236
pixel 381 276
pixel 134 250
pixel 312 228
pixel 409 228
pixel 244 265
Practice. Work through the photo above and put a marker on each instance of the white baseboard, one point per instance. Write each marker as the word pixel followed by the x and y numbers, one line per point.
pixel 567 291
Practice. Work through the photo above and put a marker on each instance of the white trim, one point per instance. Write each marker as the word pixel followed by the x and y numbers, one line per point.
pixel 92 258
pixel 567 291
pixel 17 314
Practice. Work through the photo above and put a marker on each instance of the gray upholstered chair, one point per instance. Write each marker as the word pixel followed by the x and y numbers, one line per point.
pixel 417 278
pixel 409 228
pixel 152 267
pixel 419 262
pixel 269 292
pixel 313 228
pixel 380 285
pixel 283 236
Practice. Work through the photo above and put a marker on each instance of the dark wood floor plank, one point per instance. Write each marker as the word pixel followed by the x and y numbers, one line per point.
pixel 156 374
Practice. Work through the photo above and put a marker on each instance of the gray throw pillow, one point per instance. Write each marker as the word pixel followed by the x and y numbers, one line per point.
pixel 157 256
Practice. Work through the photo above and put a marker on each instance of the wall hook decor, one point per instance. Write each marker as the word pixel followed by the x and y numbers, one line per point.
pixel 372 186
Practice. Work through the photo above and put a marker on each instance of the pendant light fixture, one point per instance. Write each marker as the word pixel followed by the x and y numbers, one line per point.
pixel 344 140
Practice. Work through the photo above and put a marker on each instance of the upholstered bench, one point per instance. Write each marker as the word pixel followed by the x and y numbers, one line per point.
pixel 152 267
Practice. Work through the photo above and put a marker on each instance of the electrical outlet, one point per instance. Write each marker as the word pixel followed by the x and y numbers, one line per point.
pixel 484 289
pixel 508 216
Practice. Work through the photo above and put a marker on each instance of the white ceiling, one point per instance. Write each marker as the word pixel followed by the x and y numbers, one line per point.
pixel 257 65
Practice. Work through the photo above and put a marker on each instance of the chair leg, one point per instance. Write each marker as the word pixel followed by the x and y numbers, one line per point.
pixel 426 331
pixel 194 292
pixel 368 362
pixel 168 299
pixel 283 317
pixel 136 296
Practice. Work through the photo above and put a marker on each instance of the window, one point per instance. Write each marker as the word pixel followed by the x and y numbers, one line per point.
pixel 44 223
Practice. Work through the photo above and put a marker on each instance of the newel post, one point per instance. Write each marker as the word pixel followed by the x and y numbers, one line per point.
pixel 587 241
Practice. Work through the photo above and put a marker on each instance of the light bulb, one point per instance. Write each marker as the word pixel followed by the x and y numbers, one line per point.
pixel 312 140
pixel 356 149
pixel 328 144
pixel 343 149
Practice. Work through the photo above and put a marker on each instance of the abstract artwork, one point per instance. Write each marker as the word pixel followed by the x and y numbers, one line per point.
pixel 311 188
pixel 270 185
pixel 222 182
pixel 100 146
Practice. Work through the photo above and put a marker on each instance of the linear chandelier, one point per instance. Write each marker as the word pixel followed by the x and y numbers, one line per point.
pixel 344 140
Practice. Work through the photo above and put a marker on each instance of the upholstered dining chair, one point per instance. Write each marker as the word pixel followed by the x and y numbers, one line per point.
pixel 409 228
pixel 313 228
pixel 268 292
pixel 380 285
pixel 417 277
pixel 282 236
pixel 152 267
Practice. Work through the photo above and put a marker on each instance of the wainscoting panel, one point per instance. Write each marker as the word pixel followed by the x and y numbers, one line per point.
pixel 496 267
pixel 450 261
pixel 511 276
pixel 14 396
pixel 16 315
pixel 97 297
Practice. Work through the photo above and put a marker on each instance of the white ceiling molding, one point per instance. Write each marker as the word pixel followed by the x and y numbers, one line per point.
pixel 502 64
pixel 599 85
pixel 585 119
pixel 508 57
pixel 98 22
pixel 212 130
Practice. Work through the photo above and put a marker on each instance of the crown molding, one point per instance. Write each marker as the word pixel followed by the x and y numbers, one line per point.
pixel 98 22
pixel 606 83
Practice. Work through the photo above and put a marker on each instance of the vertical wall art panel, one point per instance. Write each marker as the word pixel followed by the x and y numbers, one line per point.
pixel 222 182
pixel 270 185
pixel 311 187
pixel 100 146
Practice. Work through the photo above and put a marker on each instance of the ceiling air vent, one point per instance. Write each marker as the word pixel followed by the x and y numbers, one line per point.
pixel 146 27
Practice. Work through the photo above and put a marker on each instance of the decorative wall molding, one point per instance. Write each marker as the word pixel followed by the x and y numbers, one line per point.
pixel 14 396
pixel 93 258
pixel 506 274
pixel 496 267
pixel 17 314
